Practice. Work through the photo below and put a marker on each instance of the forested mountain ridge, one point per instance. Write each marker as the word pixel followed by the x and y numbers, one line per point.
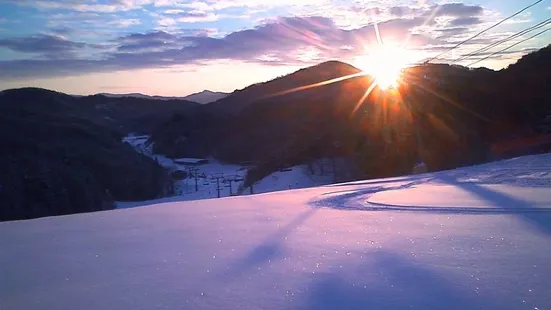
pixel 459 111
pixel 65 155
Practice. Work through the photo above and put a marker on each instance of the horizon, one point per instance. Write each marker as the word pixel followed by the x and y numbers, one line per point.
pixel 178 48
pixel 183 96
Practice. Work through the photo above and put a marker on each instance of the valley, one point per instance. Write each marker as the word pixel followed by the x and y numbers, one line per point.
pixel 268 155
pixel 268 136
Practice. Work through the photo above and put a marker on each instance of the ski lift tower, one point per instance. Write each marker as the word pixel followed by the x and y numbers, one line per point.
pixel 217 177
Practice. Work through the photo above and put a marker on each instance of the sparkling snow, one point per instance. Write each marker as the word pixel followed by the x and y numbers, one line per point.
pixel 471 238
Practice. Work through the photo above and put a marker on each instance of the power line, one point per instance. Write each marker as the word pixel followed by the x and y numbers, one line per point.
pixel 514 36
pixel 510 46
pixel 481 32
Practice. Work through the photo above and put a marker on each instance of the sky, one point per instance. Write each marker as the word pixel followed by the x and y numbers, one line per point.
pixel 177 47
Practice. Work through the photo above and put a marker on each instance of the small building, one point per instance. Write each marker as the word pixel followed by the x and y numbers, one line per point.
pixel 179 174
pixel 191 161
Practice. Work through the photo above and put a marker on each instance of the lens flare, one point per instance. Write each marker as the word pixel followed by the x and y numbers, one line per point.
pixel 385 64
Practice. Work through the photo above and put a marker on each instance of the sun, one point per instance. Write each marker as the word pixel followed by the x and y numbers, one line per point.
pixel 385 64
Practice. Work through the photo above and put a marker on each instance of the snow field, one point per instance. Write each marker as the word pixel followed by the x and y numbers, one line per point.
pixel 330 247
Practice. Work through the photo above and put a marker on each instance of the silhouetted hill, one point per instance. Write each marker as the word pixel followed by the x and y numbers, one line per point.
pixel 139 96
pixel 527 86
pixel 124 114
pixel 460 112
pixel 64 155
pixel 238 100
pixel 273 126
pixel 467 110
pixel 203 97
pixel 214 131
pixel 136 114
pixel 206 96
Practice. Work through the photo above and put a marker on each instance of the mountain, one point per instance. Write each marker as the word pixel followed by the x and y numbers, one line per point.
pixel 70 147
pixel 257 123
pixel 473 238
pixel 274 89
pixel 140 96
pixel 203 97
pixel 133 114
pixel 527 83
pixel 64 154
pixel 458 114
pixel 206 96
pixel 274 126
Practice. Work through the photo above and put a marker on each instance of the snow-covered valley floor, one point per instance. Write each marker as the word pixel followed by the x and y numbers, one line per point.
pixel 206 187
pixel 471 238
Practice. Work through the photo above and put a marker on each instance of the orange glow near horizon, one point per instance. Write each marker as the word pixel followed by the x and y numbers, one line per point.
pixel 385 62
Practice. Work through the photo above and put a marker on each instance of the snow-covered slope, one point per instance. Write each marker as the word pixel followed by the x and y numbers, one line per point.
pixel 473 238
pixel 296 177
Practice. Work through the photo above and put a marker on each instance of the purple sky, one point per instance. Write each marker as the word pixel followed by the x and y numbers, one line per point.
pixel 175 47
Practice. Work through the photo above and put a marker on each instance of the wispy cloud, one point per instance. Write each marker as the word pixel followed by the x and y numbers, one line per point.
pixel 79 38
pixel 108 6
pixel 196 16
pixel 124 23
pixel 218 5
pixel 61 31
pixel 465 21
pixel 49 46
pixel 292 40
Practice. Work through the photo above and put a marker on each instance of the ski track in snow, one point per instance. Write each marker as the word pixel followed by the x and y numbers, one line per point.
pixel 527 172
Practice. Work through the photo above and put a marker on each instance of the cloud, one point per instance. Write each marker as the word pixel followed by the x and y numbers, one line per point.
pixel 124 23
pixel 106 6
pixel 297 40
pixel 196 16
pixel 110 6
pixel 153 41
pixel 49 45
pixel 400 11
pixel 458 10
pixel 450 32
pixel 174 11
pixel 430 13
pixel 367 11
pixel 76 20
pixel 62 31
pixel 465 21
pixel 292 40
pixel 173 17
pixel 211 5
pixel 81 7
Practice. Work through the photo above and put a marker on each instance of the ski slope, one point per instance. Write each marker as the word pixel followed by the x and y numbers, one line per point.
pixel 471 238
pixel 206 186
